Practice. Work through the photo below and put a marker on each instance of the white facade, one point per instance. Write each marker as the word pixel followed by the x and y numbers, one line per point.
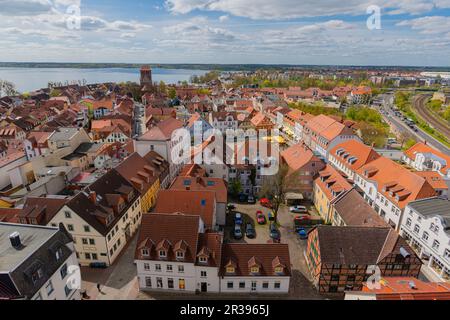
pixel 176 276
pixel 255 284
pixel 428 237
pixel 341 166
pixel 58 286
pixel 388 210
pixel 428 162
pixel 90 245
pixel 228 123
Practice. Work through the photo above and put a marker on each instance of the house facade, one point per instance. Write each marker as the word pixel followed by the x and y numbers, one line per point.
pixel 102 218
pixel 388 187
pixel 340 259
pixel 425 226
pixel 36 263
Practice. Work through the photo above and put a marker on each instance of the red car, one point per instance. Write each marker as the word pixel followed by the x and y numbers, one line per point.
pixel 260 217
pixel 265 203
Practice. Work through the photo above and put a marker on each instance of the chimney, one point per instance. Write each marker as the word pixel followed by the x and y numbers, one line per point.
pixel 93 197
pixel 15 240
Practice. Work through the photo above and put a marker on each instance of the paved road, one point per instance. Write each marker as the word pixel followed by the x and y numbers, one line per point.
pixel 118 282
pixel 399 126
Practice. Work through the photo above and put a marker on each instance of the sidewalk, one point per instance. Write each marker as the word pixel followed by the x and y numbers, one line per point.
pixel 118 282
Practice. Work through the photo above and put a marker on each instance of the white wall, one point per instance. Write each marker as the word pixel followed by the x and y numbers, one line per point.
pixel 284 284
pixel 60 283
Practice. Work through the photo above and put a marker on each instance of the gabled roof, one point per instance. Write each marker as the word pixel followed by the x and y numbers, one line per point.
pixel 218 186
pixel 355 211
pixel 199 203
pixel 167 230
pixel 423 148
pixel 353 154
pixel 162 131
pixel 49 207
pixel 243 256
pixel 358 245
pixel 138 171
pixel 96 212
pixel 298 156
pixel 396 182
pixel 333 182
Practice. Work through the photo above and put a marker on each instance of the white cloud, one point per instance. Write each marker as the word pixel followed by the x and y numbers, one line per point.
pixel 287 9
pixel 24 7
pixel 198 32
pixel 224 18
pixel 429 25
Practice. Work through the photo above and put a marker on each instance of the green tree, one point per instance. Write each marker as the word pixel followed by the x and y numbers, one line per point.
pixel 162 87
pixel 55 93
pixel 235 187
pixel 172 93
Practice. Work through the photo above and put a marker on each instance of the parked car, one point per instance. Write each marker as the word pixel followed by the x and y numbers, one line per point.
pixel 238 218
pixel 306 221
pixel 302 233
pixel 271 216
pixel 242 197
pixel 260 217
pixel 237 232
pixel 298 209
pixel 265 203
pixel 274 232
pixel 251 200
pixel 250 231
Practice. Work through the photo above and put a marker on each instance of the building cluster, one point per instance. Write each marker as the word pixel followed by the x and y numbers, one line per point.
pixel 87 170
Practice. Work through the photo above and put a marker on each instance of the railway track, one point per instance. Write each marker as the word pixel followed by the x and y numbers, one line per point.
pixel 419 105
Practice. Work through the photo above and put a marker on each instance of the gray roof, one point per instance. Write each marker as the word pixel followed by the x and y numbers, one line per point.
pixel 433 207
pixel 87 147
pixel 32 238
pixel 38 252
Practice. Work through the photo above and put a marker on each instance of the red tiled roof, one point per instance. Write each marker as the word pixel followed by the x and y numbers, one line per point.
pixel 243 256
pixel 201 203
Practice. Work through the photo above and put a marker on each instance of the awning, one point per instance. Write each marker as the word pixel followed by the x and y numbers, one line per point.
pixel 294 196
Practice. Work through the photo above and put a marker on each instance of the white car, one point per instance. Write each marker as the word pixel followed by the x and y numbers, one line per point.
pixel 298 209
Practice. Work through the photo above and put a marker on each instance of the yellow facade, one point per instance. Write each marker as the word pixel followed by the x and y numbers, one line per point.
pixel 148 200
pixel 321 203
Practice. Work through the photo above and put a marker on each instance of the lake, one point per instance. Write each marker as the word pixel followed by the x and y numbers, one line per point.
pixel 29 79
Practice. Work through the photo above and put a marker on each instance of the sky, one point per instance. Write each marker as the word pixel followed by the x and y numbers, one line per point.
pixel 324 32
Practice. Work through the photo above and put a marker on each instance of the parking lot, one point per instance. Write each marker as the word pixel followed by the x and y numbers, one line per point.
pixel 301 282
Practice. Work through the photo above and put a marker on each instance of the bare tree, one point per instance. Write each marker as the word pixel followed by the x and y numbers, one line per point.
pixel 7 88
pixel 274 188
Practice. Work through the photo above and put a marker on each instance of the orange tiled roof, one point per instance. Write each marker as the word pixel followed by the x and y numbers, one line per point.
pixel 351 150
pixel 421 147
pixel 396 182
pixel 333 181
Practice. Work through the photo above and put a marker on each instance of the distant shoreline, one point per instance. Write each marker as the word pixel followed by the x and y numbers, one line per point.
pixel 220 67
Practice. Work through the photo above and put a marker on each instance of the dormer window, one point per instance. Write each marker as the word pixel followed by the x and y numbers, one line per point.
pixel 180 255
pixel 162 254
pixel 230 269
pixel 145 252
pixel 203 259
pixel 279 270
pixel 254 269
